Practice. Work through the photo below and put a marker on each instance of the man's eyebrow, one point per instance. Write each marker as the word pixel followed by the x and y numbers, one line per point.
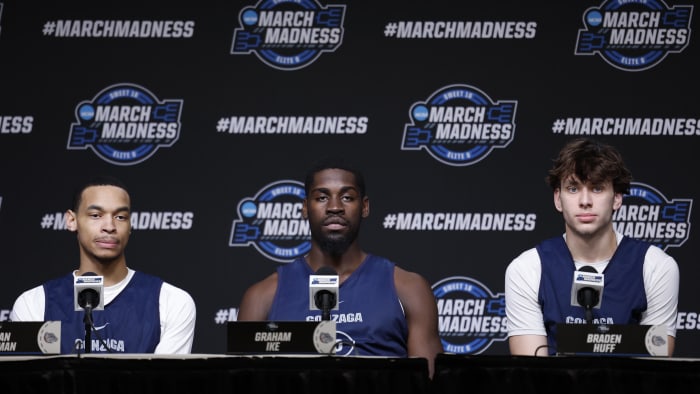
pixel 125 208
pixel 327 190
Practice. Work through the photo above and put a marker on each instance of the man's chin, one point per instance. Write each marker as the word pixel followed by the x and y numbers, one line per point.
pixel 106 259
pixel 335 247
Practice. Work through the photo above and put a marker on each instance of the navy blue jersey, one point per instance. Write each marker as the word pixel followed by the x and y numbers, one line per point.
pixel 128 324
pixel 370 313
pixel 624 297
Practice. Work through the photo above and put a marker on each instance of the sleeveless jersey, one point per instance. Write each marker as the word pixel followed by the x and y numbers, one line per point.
pixel 624 297
pixel 128 324
pixel 370 315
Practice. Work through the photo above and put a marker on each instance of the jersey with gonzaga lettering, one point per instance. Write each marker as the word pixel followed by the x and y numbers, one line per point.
pixel 624 297
pixel 128 324
pixel 370 315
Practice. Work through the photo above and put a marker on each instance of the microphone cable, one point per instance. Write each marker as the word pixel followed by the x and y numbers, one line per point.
pixel 333 350
pixel 540 347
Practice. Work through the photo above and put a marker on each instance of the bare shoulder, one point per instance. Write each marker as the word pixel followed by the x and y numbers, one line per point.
pixel 408 280
pixel 412 287
pixel 257 299
pixel 269 284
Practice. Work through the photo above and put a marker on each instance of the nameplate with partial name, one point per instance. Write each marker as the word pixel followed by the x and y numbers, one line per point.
pixel 30 338
pixel 280 337
pixel 612 340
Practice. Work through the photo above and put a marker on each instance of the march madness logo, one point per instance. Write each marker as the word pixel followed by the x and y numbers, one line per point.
pixel 634 35
pixel 646 214
pixel 272 222
pixel 289 34
pixel 470 317
pixel 125 124
pixel 460 125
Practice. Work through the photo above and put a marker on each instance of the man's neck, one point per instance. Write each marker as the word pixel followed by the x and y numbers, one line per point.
pixel 113 272
pixel 344 264
pixel 597 247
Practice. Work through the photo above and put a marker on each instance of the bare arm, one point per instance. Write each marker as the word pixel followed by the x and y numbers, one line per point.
pixel 421 315
pixel 528 345
pixel 257 300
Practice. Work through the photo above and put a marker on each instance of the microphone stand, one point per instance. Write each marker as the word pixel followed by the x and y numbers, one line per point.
pixel 589 314
pixel 87 319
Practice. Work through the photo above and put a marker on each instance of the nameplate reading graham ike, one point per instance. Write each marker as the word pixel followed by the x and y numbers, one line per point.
pixel 273 339
pixel 612 339
pixel 280 337
pixel 30 338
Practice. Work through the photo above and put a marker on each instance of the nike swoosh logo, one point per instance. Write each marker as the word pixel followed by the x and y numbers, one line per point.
pixel 100 327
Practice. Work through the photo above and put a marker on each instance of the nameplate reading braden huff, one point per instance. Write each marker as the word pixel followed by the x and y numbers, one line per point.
pixel 612 340
pixel 280 337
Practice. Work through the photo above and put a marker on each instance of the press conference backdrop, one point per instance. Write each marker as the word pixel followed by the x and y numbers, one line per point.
pixel 211 113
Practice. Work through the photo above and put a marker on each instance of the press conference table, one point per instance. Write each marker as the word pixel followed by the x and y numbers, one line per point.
pixel 97 374
pixel 574 374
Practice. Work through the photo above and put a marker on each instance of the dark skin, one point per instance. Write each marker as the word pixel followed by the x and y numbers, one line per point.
pixel 335 210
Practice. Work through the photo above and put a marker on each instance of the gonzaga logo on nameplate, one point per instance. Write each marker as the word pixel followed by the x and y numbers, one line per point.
pixel 289 34
pixel 125 124
pixel 634 35
pixel 272 222
pixel 460 125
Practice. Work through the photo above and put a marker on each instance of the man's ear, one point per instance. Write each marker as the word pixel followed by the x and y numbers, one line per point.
pixel 557 199
pixel 617 201
pixel 304 209
pixel 71 221
pixel 365 207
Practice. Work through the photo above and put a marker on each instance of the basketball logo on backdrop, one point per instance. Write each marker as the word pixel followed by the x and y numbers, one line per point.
pixel 288 34
pixel 470 317
pixel 125 124
pixel 460 125
pixel 646 214
pixel 272 222
pixel 634 35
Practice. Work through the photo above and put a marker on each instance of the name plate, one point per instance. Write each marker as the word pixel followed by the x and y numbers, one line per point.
pixel 30 337
pixel 280 337
pixel 612 339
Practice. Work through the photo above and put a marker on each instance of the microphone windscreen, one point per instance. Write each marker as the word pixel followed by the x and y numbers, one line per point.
pixel 88 290
pixel 588 268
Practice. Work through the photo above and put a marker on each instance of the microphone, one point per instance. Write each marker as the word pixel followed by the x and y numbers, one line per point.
pixel 323 291
pixel 88 292
pixel 587 290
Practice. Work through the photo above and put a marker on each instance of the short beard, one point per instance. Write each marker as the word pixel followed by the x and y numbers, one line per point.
pixel 337 244
pixel 335 247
